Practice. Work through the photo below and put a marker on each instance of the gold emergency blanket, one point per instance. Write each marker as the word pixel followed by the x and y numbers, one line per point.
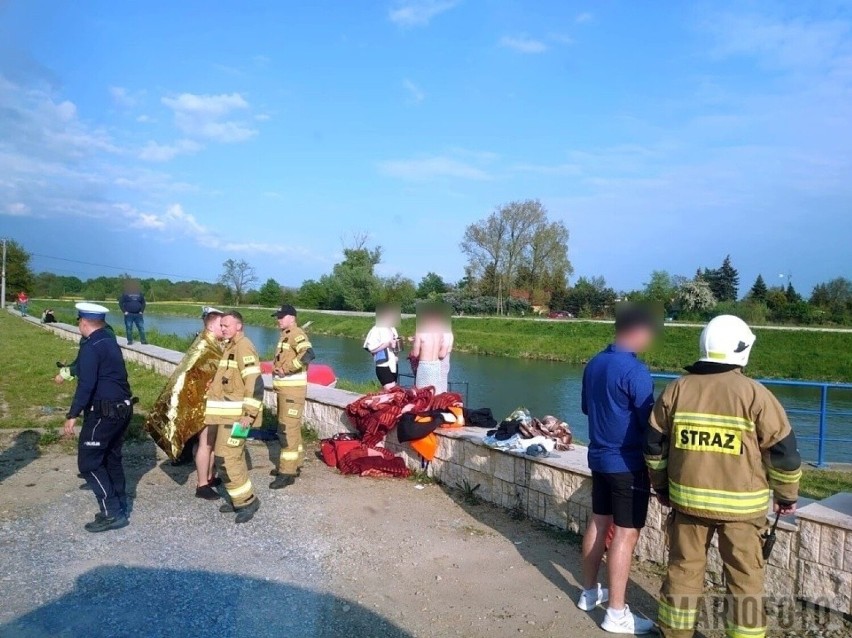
pixel 178 413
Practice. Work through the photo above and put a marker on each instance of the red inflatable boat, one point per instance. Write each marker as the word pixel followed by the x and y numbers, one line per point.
pixel 318 373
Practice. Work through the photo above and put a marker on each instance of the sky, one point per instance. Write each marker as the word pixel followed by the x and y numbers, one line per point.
pixel 166 137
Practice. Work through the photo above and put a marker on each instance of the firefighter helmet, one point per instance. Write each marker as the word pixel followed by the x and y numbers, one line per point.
pixel 726 339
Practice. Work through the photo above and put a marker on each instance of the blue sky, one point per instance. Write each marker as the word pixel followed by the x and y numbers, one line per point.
pixel 170 136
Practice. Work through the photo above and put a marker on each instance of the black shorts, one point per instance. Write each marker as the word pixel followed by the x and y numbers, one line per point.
pixel 623 495
pixel 385 375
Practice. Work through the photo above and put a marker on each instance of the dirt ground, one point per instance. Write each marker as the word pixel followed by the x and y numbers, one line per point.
pixel 331 556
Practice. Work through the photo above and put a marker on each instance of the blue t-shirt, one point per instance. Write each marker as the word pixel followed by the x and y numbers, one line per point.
pixel 618 395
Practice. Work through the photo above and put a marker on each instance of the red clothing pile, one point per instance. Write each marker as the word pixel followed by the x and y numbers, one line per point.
pixel 374 415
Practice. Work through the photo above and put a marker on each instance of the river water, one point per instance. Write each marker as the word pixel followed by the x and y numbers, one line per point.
pixel 545 387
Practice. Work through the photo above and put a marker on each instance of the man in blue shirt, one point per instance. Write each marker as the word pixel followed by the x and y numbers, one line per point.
pixel 132 304
pixel 103 398
pixel 618 395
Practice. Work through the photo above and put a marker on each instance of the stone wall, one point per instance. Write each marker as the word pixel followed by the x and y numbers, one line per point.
pixel 812 559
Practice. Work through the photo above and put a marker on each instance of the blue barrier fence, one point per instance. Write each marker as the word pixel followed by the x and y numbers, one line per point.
pixel 829 423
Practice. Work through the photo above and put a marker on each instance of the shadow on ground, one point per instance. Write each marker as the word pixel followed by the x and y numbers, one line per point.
pixel 564 552
pixel 20 454
pixel 130 601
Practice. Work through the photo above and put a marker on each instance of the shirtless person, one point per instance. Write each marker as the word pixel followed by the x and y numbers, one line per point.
pixel 430 348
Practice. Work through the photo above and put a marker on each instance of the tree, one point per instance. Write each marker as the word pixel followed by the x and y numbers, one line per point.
pixel 758 290
pixel 516 239
pixel 18 274
pixel 431 285
pixel 791 294
pixel 834 293
pixel 724 282
pixel 695 296
pixel 237 276
pixel 589 298
pixel 399 290
pixel 270 294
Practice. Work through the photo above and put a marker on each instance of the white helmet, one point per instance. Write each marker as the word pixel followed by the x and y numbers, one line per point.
pixel 726 339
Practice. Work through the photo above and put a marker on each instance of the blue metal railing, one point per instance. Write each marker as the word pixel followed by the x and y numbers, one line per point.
pixel 822 413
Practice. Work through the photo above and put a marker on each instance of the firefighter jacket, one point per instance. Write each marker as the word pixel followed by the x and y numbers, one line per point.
pixel 718 442
pixel 292 355
pixel 237 387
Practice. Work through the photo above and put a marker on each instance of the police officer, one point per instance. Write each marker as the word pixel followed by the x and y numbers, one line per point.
pixel 717 444
pixel 235 398
pixel 103 397
pixel 290 380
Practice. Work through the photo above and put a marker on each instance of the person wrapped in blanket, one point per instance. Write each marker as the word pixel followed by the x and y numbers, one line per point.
pixel 176 421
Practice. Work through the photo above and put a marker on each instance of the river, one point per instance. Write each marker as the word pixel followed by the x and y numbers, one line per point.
pixel 503 384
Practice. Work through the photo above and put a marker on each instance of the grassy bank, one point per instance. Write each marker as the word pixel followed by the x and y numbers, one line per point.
pixel 819 356
pixel 29 398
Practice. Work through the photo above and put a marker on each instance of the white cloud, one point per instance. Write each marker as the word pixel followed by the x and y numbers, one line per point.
pixel 175 221
pixel 523 44
pixel 154 152
pixel 17 209
pixel 207 116
pixel 145 119
pixel 584 17
pixel 427 168
pixel 548 169
pixel 121 97
pixel 262 117
pixel 417 13
pixel 415 92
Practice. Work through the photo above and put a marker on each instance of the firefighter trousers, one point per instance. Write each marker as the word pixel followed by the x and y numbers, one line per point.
pixel 229 456
pixel 291 405
pixel 741 549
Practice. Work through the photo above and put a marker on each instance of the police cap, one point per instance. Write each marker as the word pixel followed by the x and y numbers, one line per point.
pixel 86 310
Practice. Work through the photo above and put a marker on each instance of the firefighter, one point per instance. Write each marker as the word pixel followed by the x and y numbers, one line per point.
pixel 717 444
pixel 290 380
pixel 235 402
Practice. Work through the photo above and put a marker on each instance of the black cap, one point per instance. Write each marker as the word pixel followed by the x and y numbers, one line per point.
pixel 631 315
pixel 284 311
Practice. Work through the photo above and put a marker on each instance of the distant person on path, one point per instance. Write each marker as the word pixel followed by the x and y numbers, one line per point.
pixel 293 355
pixel 617 396
pixel 429 349
pixel 48 317
pixel 23 303
pixel 103 397
pixel 132 304
pixel 717 443
pixel 383 343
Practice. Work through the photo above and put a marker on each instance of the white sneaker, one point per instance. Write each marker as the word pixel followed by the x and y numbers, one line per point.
pixel 592 598
pixel 627 624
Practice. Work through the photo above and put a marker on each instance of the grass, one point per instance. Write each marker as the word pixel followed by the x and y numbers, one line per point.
pixel 361 387
pixel 820 484
pixel 783 354
pixel 28 395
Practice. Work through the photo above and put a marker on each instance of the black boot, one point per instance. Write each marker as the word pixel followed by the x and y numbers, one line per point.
pixel 227 508
pixel 245 514
pixel 281 481
pixel 106 523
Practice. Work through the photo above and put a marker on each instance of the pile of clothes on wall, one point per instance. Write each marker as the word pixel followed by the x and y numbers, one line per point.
pixel 416 413
pixel 521 432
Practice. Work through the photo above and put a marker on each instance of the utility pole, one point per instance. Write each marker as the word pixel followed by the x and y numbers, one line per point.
pixel 3 284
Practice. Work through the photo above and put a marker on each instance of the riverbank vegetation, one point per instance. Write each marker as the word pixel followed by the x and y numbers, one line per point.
pixel 30 399
pixel 783 354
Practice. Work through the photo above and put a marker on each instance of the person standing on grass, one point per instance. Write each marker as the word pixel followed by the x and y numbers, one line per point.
pixel 23 303
pixel 132 304
pixel 103 398
pixel 617 396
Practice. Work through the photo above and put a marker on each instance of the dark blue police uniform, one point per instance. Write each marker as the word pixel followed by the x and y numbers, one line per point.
pixel 103 397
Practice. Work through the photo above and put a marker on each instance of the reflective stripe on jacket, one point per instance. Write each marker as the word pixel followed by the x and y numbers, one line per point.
pixel 292 355
pixel 237 387
pixel 719 442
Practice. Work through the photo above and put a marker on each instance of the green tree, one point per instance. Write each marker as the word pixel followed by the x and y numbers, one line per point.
pixel 590 297
pixel 399 290
pixel 237 276
pixel 758 290
pixel 724 282
pixel 270 294
pixel 791 294
pixel 19 276
pixel 431 285
pixel 312 294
